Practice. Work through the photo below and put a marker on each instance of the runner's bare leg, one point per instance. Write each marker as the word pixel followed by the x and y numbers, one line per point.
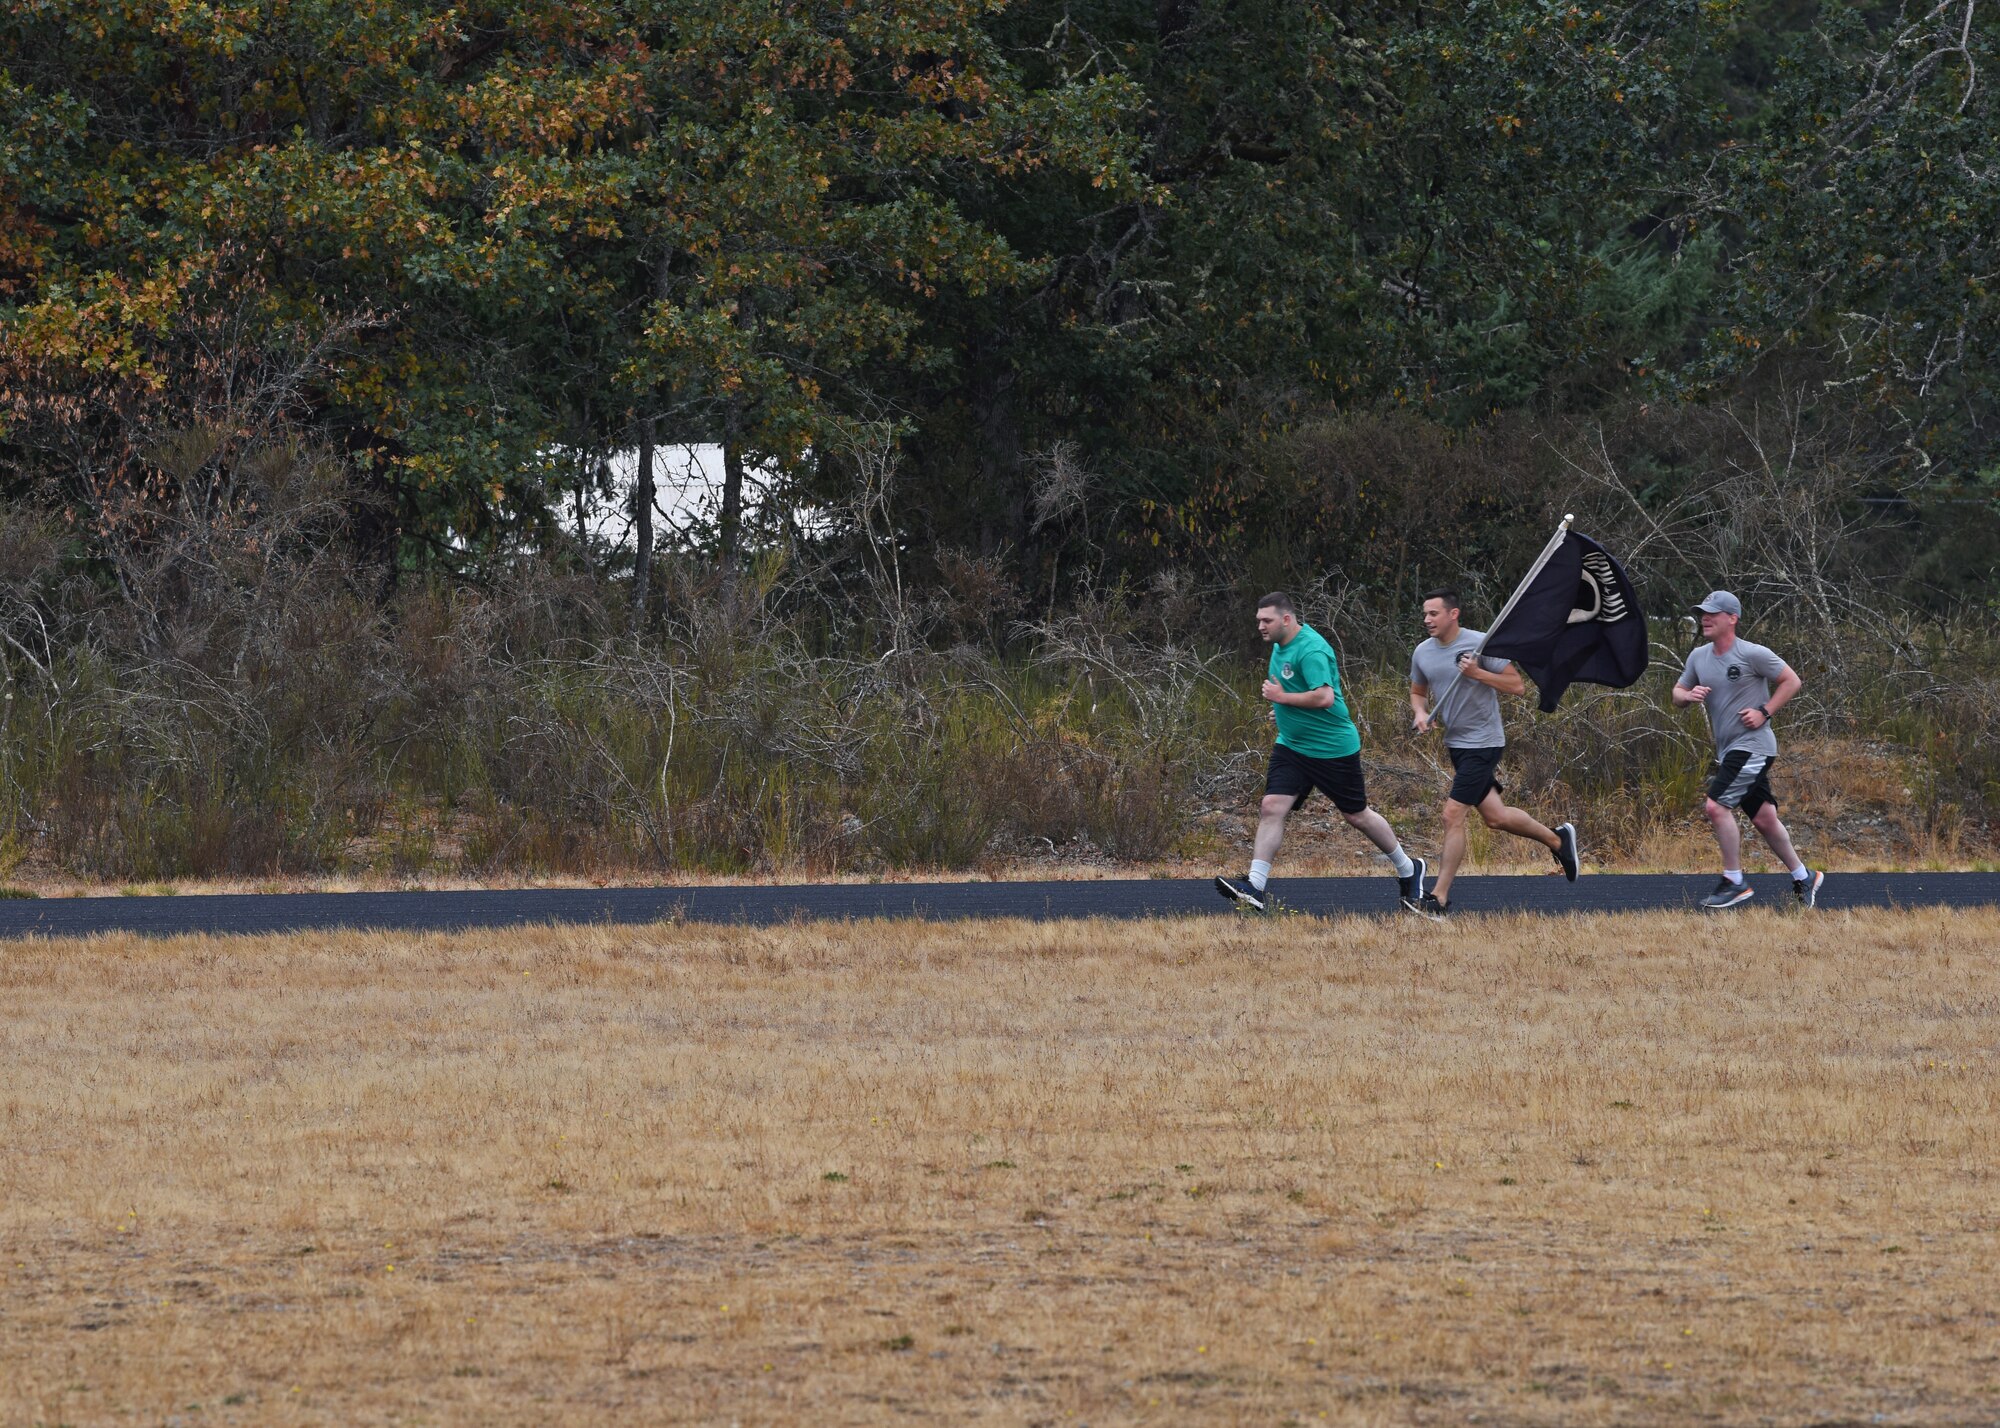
pixel 1374 827
pixel 1505 818
pixel 1454 847
pixel 1777 835
pixel 1723 820
pixel 1271 817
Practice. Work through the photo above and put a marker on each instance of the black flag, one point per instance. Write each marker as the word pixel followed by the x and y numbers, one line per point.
pixel 1578 618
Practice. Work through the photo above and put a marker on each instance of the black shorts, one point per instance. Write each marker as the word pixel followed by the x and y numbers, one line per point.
pixel 1741 779
pixel 1296 774
pixel 1472 774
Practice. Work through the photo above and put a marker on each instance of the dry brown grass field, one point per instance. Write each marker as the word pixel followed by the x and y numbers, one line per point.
pixel 1600 1170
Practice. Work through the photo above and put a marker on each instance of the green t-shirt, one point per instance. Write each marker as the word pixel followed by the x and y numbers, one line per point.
pixel 1306 664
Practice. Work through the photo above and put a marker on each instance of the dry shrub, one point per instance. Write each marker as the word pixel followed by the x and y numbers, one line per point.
pixel 220 684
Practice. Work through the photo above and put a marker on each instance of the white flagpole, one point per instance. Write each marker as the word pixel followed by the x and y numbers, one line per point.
pixel 1548 553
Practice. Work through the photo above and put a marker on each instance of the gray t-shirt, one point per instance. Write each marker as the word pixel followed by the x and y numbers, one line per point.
pixel 1736 681
pixel 1474 708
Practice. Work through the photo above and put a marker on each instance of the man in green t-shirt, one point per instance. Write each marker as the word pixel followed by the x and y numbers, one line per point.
pixel 1317 747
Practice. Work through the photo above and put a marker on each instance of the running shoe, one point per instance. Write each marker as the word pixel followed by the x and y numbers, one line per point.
pixel 1429 906
pixel 1566 855
pixel 1806 889
pixel 1411 889
pixel 1239 891
pixel 1728 894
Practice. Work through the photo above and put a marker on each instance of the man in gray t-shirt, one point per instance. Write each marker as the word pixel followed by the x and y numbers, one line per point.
pixel 1453 685
pixel 1741 685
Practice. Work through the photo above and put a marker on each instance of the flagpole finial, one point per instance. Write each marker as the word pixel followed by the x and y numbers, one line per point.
pixel 1567 518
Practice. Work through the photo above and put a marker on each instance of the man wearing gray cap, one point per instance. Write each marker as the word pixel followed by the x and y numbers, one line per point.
pixel 1733 679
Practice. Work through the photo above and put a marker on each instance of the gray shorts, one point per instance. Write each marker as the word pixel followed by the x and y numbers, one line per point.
pixel 1741 779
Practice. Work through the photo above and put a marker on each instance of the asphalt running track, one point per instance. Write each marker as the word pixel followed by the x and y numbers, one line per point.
pixel 944 902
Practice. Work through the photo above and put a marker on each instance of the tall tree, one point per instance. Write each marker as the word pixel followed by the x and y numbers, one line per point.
pixel 495 189
pixel 1865 204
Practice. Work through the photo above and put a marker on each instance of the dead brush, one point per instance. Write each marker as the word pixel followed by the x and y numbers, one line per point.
pixel 817 717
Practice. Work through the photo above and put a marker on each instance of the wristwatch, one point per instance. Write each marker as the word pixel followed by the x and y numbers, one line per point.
pixel 1765 712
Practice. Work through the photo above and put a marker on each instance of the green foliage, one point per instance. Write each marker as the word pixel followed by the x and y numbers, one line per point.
pixel 1863 208
pixel 475 250
pixel 530 224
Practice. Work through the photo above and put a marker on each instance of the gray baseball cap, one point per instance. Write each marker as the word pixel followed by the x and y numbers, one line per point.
pixel 1721 602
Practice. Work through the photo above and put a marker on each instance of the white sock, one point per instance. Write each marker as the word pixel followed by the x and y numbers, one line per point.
pixel 1401 862
pixel 1260 874
pixel 1801 873
pixel 1735 875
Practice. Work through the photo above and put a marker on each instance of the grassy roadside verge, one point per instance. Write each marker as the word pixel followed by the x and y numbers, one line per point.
pixel 722 757
pixel 1852 804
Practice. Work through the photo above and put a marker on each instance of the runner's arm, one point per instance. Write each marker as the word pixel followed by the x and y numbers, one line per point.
pixel 1689 693
pixel 1789 684
pixel 1320 698
pixel 1508 681
pixel 1686 691
pixel 1420 706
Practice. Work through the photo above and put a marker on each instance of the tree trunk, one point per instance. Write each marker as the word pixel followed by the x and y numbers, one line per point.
pixel 730 534
pixel 642 524
pixel 1005 494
